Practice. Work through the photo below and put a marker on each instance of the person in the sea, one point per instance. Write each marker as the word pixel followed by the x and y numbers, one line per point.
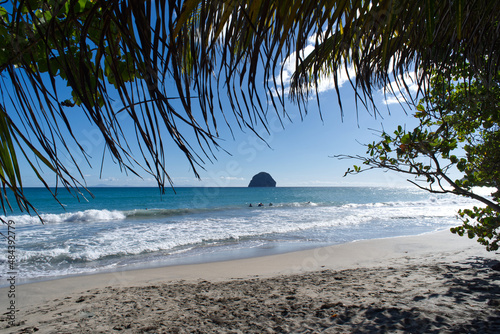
pixel 260 204
pixel 270 204
pixel 250 205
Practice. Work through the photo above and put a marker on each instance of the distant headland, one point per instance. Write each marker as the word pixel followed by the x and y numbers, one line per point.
pixel 262 179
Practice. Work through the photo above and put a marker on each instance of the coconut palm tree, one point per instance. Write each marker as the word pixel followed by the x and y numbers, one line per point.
pixel 171 63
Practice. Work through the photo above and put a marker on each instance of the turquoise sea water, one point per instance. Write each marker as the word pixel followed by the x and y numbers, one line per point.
pixel 129 228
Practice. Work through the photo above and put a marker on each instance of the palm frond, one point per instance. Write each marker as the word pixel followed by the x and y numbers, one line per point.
pixel 173 63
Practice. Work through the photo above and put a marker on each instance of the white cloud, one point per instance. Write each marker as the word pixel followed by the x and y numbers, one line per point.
pixel 391 99
pixel 397 93
pixel 325 83
pixel 111 179
pixel 232 178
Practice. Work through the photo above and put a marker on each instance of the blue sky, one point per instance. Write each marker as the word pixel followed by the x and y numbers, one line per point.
pixel 301 154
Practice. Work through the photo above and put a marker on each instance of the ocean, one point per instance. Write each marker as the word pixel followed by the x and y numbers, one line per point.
pixel 133 228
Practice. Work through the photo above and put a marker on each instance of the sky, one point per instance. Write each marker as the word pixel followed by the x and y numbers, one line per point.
pixel 300 154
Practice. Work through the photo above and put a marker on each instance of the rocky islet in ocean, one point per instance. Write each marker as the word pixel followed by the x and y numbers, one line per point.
pixel 262 179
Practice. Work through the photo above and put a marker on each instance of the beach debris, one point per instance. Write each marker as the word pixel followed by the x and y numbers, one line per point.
pixel 80 299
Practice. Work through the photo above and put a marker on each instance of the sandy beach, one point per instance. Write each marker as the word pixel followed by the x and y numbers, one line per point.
pixel 433 283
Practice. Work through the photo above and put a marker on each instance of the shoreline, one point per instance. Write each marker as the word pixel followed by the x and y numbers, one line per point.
pixel 309 256
pixel 377 256
pixel 197 259
pixel 310 259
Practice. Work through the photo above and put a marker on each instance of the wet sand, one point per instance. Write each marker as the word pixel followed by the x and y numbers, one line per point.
pixel 434 283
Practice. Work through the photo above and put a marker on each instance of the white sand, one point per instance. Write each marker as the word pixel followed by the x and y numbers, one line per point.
pixel 437 282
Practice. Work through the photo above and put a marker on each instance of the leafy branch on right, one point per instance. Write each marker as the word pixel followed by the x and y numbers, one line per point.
pixel 458 132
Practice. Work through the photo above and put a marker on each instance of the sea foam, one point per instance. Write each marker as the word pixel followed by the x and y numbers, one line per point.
pixel 67 217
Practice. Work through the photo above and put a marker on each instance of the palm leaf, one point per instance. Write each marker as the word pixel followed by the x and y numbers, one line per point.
pixel 212 51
